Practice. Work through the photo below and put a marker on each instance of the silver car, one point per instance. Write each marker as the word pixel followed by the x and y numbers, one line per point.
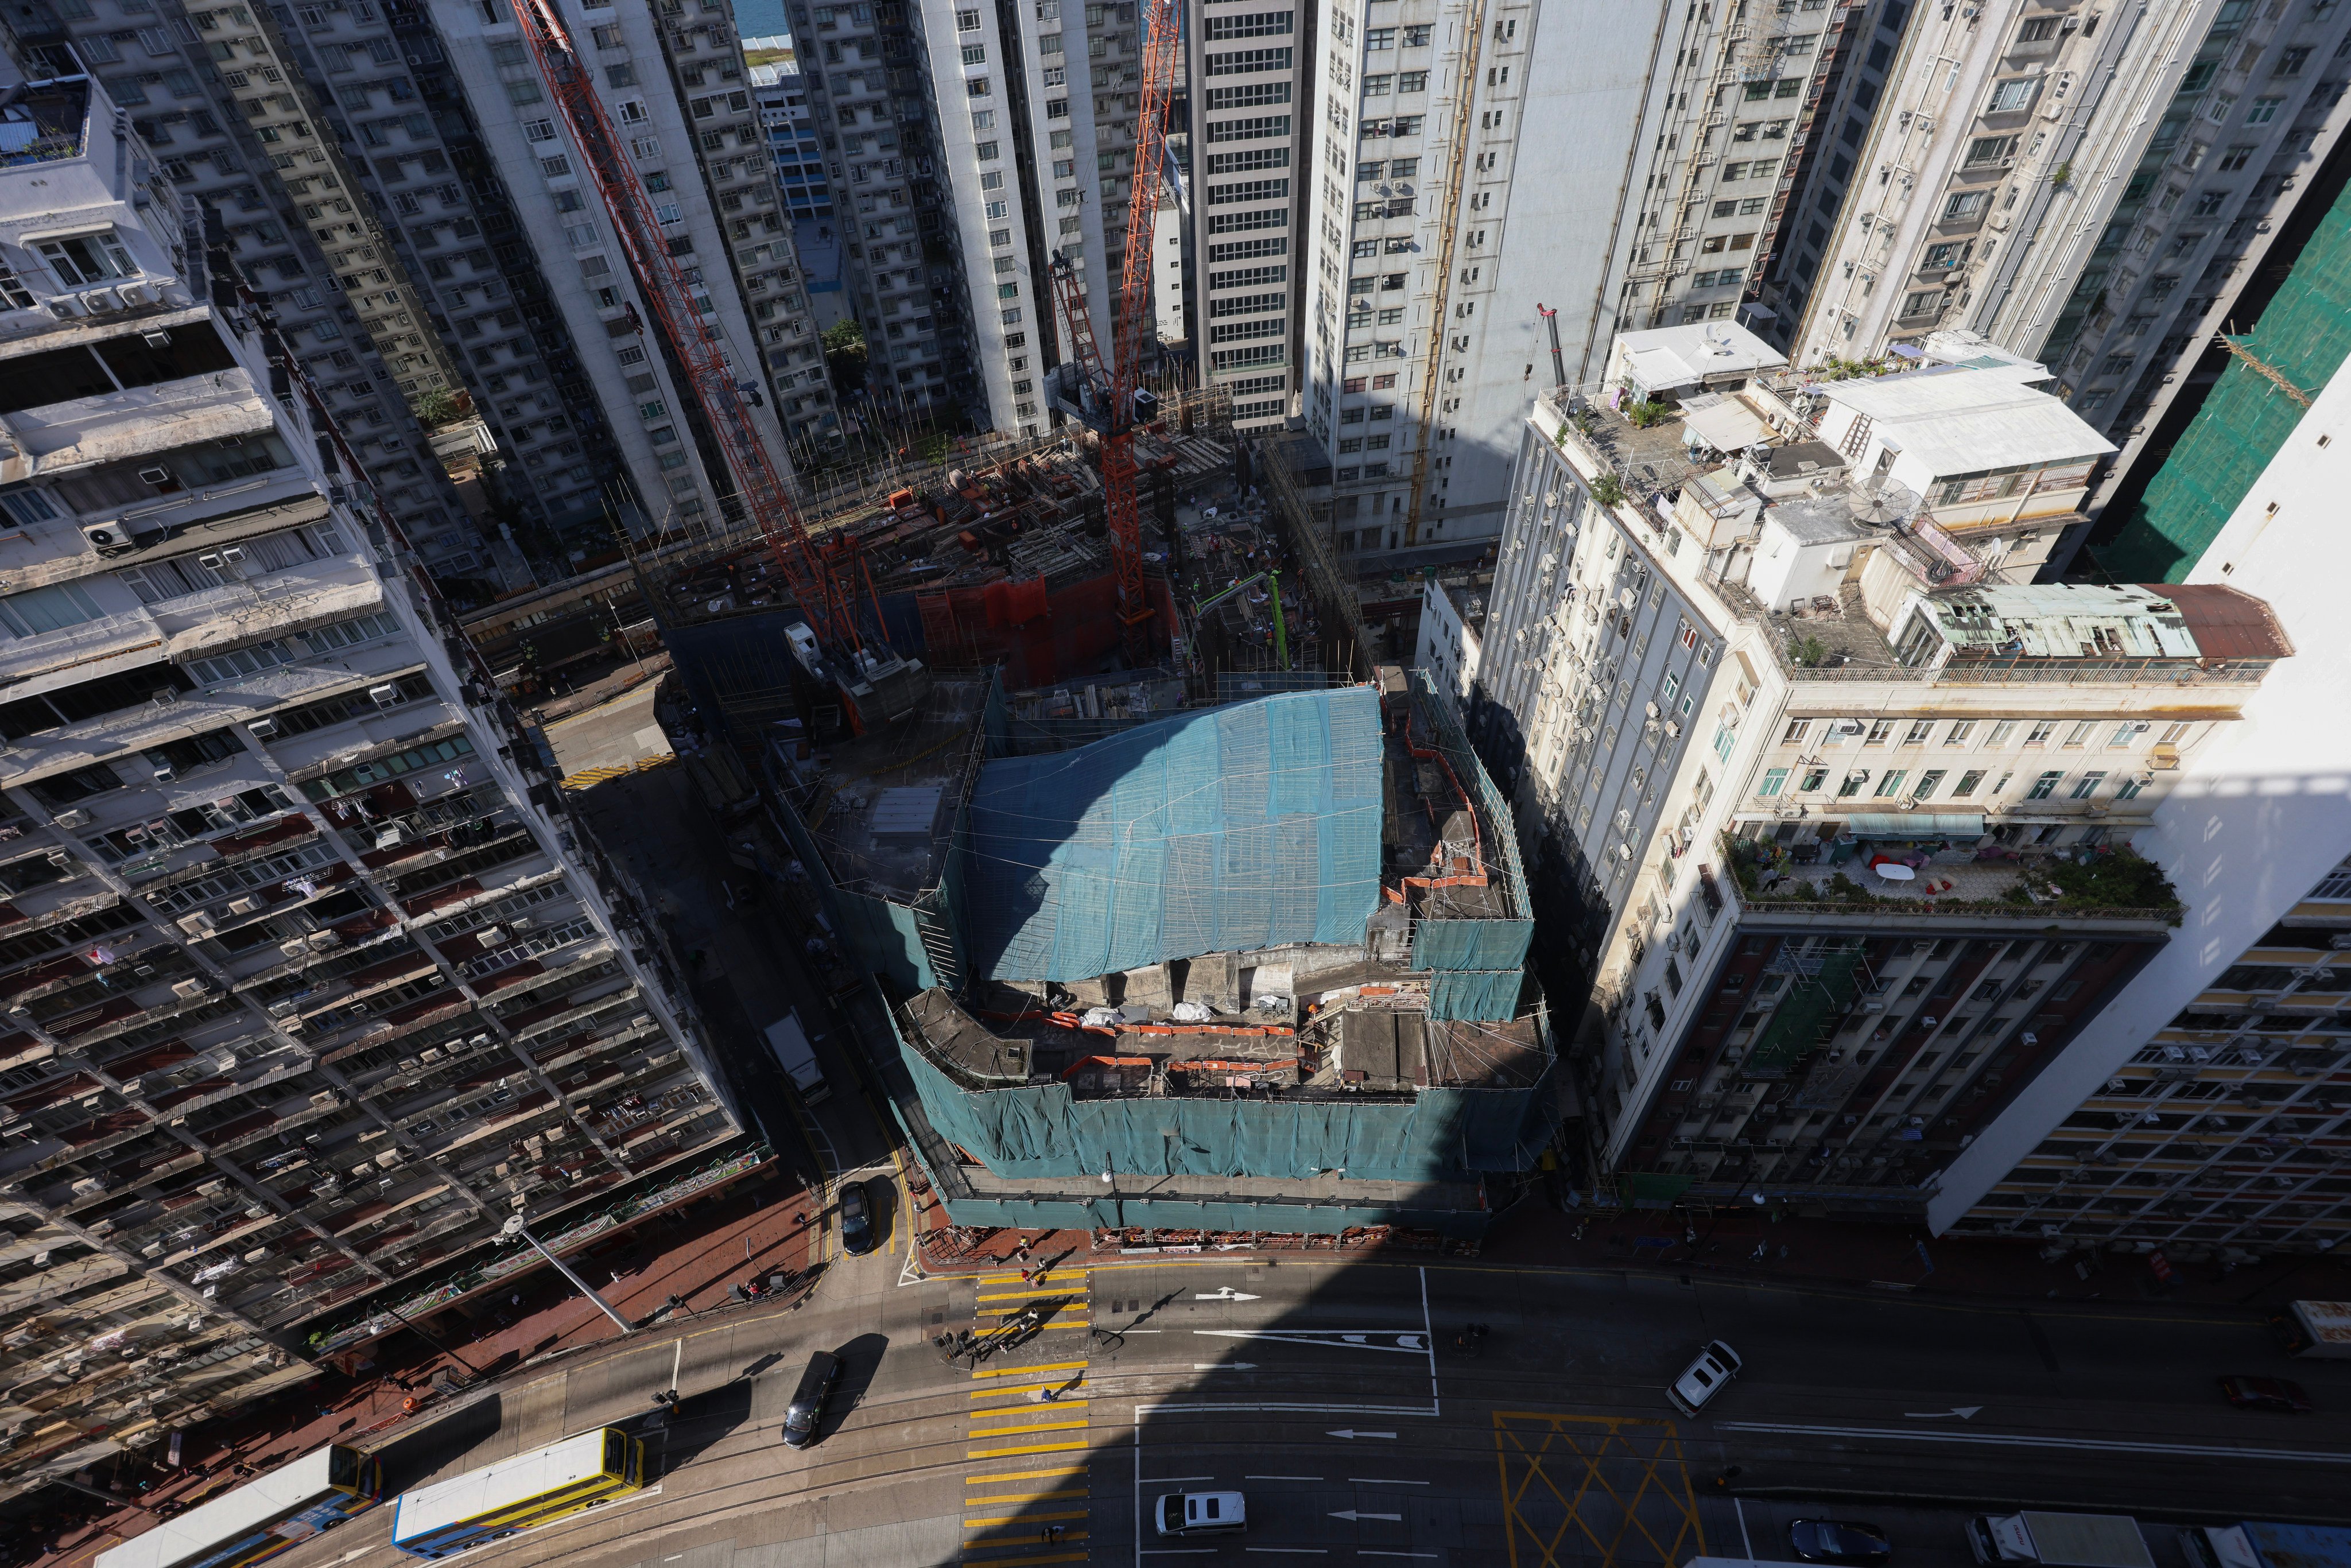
pixel 1716 1365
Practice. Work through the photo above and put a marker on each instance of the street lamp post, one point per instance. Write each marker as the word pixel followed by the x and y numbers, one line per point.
pixel 514 1227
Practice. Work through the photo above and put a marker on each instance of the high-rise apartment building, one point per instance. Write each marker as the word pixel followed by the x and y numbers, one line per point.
pixel 672 82
pixel 386 171
pixel 1624 167
pixel 2087 188
pixel 793 140
pixel 2205 1109
pixel 310 985
pixel 1836 821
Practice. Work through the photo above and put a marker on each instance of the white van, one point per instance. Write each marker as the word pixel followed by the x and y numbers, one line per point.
pixel 1201 1513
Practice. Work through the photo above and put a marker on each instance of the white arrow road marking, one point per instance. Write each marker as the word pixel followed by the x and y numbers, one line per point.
pixel 2024 1440
pixel 1961 1411
pixel 1337 1338
pixel 1350 1516
pixel 1227 1293
pixel 1224 1366
pixel 1351 1432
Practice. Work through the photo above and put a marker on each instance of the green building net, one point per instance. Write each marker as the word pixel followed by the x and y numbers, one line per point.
pixel 2305 336
pixel 1803 1020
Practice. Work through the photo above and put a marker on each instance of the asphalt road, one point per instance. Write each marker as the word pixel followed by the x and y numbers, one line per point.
pixel 1335 1397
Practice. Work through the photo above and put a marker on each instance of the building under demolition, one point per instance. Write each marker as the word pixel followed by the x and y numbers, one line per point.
pixel 1256 966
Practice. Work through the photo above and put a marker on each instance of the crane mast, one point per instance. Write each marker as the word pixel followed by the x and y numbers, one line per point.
pixel 1109 397
pixel 828 606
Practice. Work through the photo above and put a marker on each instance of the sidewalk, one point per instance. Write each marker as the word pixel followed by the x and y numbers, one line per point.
pixel 624 676
pixel 762 1227
pixel 1760 1245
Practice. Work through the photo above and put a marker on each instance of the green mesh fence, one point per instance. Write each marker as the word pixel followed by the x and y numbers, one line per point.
pixel 1801 1021
pixel 2305 335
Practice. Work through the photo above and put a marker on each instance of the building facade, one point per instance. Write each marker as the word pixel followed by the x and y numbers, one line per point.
pixel 311 985
pixel 793 140
pixel 361 154
pixel 2090 189
pixel 2203 1111
pixel 1720 718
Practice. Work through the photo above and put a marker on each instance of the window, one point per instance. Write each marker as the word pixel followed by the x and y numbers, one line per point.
pixel 966 21
pixel 1919 730
pixel 1412 81
pixel 1878 730
pixel 2013 94
pixel 2040 733
pixel 2236 157
pixel 1814 778
pixel 2129 788
pixel 1968 782
pixel 39 609
pixel 84 259
pixel 1374 38
pixel 2080 733
pixel 1795 733
pixel 1929 782
pixel 2086 785
pixel 976 54
pixel 1986 149
pixel 1958 732
pixel 1891 783
pixel 2044 787
pixel 2038 30
pixel 1962 205
pixel 2289 64
pixel 2000 732
pixel 2263 110
pixel 977 88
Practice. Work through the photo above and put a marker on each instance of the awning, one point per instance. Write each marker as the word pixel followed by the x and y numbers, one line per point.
pixel 1916 825
pixel 1727 426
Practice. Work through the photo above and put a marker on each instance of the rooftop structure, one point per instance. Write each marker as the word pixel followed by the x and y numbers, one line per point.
pixel 1659 361
pixel 1292 929
pixel 1755 711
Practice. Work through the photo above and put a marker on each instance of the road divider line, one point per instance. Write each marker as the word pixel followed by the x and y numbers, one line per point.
pixel 1032 1449
pixel 1382 1481
pixel 1171 1480
pixel 1282 1477
pixel 2027 1440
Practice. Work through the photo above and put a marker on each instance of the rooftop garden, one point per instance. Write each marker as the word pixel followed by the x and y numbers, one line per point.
pixel 2107 880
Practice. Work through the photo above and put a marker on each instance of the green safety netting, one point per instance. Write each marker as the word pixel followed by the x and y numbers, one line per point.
pixel 1236 828
pixel 1045 1130
pixel 2303 335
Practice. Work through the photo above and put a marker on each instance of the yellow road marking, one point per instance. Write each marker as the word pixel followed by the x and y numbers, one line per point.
pixel 1064 1474
pixel 1063 1557
pixel 1014 1388
pixel 1033 1449
pixel 1030 1371
pixel 1011 1311
pixel 1027 1426
pixel 1030 1519
pixel 1000 1499
pixel 1018 1295
pixel 1017 1280
pixel 1615 1489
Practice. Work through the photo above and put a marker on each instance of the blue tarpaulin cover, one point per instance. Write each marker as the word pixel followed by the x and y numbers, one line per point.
pixel 1242 826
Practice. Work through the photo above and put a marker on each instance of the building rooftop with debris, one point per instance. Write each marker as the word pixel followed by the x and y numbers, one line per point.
pixel 1294 929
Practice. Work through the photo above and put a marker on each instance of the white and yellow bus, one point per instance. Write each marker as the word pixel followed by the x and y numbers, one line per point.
pixel 533 1489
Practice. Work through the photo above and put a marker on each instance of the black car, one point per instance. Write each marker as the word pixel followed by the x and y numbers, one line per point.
pixel 1838 1541
pixel 856 1219
pixel 803 1415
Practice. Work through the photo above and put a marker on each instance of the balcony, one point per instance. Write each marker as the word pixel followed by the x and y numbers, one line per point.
pixel 85 432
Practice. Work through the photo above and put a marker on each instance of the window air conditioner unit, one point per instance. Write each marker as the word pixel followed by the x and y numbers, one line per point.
pixel 69 820
pixel 107 539
pixel 99 300
pixel 385 696
pixel 262 728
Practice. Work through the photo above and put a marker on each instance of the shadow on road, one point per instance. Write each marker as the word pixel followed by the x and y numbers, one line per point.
pixel 704 1419
pixel 417 1457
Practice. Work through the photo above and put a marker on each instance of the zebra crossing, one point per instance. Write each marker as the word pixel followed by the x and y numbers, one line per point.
pixel 1028 1429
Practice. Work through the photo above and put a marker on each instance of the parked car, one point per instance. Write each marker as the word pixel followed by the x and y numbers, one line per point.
pixel 1716 1365
pixel 2266 1394
pixel 1838 1541
pixel 1201 1513
pixel 856 1219
pixel 806 1412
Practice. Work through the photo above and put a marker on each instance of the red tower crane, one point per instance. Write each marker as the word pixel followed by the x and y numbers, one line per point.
pixel 833 609
pixel 1108 398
